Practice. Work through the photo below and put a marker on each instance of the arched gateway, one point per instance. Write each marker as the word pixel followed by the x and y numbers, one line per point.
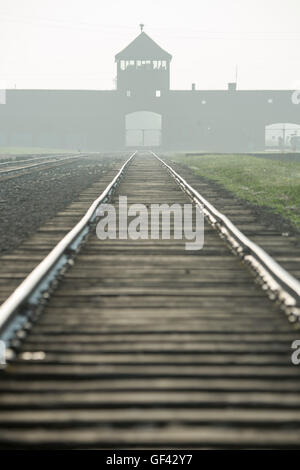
pixel 143 129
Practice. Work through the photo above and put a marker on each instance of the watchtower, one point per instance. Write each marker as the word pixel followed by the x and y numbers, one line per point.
pixel 143 68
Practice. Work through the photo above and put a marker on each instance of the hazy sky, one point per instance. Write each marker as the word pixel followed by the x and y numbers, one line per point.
pixel 72 43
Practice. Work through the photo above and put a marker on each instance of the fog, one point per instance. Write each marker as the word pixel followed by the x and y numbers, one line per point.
pixel 71 43
pixel 104 76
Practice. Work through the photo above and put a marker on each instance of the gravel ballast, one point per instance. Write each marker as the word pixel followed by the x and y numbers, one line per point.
pixel 28 201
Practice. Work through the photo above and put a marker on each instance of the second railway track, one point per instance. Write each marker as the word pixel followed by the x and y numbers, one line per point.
pixel 143 344
pixel 9 170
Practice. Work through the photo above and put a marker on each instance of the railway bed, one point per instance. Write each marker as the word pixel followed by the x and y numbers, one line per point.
pixel 143 344
pixel 12 170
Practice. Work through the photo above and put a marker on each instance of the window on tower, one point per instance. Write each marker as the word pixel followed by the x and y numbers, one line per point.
pixel 143 64
pixel 127 64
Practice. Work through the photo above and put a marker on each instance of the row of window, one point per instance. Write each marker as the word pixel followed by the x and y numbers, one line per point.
pixel 143 64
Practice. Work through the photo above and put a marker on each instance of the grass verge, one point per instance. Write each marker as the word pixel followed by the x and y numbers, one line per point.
pixel 271 183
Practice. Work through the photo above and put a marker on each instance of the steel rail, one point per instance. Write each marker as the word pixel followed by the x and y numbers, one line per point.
pixel 36 158
pixel 22 303
pixel 34 165
pixel 278 282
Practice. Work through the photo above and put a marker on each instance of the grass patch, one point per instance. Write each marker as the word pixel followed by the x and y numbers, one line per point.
pixel 265 182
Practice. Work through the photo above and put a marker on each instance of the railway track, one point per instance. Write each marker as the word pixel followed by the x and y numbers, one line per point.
pixel 17 160
pixel 142 344
pixel 17 168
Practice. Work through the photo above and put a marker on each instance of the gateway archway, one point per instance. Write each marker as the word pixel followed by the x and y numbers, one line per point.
pixel 143 129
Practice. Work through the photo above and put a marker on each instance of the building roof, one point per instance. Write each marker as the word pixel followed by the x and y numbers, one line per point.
pixel 143 47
